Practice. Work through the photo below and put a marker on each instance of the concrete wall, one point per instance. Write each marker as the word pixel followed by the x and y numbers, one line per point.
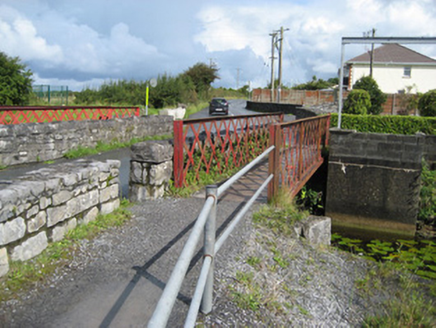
pixel 40 142
pixel 374 179
pixel 43 205
pixel 296 110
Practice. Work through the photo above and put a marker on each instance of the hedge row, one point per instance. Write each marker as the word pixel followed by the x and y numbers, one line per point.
pixel 386 124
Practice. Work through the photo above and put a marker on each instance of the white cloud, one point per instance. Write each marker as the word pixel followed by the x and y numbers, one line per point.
pixel 19 37
pixel 106 39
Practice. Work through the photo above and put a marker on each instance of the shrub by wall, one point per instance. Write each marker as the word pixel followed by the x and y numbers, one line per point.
pixel 408 125
pixel 358 102
pixel 427 104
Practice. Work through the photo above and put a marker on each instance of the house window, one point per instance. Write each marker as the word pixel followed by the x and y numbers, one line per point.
pixel 407 72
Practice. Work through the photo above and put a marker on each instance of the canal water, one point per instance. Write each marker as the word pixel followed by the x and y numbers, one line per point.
pixel 122 154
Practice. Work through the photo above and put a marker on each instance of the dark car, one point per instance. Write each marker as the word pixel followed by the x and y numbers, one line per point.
pixel 219 105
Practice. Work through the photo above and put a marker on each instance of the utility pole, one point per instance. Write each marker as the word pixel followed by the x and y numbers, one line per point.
pixel 273 41
pixel 371 56
pixel 237 79
pixel 371 53
pixel 280 62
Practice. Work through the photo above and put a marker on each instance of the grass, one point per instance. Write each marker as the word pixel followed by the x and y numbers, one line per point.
pixel 281 215
pixel 31 273
pixel 409 307
pixel 104 147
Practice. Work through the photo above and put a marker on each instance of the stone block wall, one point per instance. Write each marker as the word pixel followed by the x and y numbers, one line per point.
pixel 151 168
pixel 374 179
pixel 43 205
pixel 40 142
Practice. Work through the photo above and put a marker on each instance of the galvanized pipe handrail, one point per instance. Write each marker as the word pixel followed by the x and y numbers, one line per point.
pixel 198 294
pixel 241 213
pixel 166 302
pixel 203 292
pixel 243 171
pixel 201 283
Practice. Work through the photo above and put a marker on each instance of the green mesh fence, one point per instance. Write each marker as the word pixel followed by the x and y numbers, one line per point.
pixel 52 94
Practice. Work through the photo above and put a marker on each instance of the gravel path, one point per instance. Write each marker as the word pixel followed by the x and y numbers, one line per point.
pixel 116 279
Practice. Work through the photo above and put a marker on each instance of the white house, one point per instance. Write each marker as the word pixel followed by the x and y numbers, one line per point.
pixel 396 69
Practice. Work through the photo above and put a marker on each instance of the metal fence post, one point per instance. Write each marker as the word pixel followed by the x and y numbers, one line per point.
pixel 274 160
pixel 209 249
pixel 300 150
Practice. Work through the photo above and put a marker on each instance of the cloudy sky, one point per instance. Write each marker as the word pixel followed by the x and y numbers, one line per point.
pixel 82 43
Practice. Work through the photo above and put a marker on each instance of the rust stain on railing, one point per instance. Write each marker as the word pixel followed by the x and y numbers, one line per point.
pixel 46 114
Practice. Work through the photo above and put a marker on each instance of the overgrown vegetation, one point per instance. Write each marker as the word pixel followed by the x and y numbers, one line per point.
pixel 28 274
pixel 409 125
pixel 427 199
pixel 104 147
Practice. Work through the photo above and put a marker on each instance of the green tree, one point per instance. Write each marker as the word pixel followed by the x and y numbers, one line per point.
pixel 15 81
pixel 202 76
pixel 427 103
pixel 358 102
pixel 378 98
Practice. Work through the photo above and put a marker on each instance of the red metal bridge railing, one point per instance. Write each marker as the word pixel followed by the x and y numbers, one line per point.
pixel 216 145
pixel 297 154
pixel 47 114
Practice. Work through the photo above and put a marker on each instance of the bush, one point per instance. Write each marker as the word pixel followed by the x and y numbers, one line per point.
pixel 427 104
pixel 358 102
pixel 392 124
pixel 377 97
pixel 15 81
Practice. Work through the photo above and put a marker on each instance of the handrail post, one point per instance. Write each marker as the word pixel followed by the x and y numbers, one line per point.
pixel 209 249
pixel 274 160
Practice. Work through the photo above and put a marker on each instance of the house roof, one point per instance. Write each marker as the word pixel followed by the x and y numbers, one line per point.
pixel 394 54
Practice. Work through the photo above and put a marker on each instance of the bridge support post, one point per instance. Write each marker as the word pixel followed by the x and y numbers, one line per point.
pixel 274 160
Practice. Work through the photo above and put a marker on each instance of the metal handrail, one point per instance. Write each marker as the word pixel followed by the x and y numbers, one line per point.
pixel 206 219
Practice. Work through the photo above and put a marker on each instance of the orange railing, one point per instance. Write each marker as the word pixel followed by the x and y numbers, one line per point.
pixel 298 152
pixel 47 114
